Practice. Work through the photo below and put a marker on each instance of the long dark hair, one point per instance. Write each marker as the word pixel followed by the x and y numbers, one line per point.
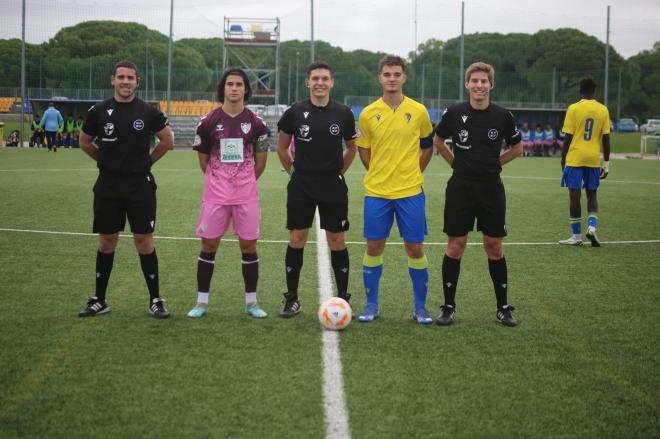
pixel 223 80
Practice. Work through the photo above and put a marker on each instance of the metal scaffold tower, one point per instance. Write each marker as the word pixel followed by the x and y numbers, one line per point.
pixel 253 44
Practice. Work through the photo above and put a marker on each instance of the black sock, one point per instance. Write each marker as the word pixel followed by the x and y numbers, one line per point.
pixel 340 266
pixel 103 269
pixel 149 265
pixel 205 266
pixel 451 268
pixel 250 266
pixel 498 274
pixel 293 264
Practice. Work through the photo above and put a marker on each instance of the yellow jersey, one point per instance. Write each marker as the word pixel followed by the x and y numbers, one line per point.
pixel 587 121
pixel 393 137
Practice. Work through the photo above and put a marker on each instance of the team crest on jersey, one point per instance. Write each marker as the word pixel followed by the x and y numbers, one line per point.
pixel 305 114
pixel 408 117
pixel 492 134
pixel 138 124
pixel 463 135
pixel 109 128
pixel 378 117
pixel 464 118
pixel 334 129
pixel 245 127
pixel 304 130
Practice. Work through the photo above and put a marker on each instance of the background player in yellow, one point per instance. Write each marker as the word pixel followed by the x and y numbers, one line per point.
pixel 587 128
pixel 395 146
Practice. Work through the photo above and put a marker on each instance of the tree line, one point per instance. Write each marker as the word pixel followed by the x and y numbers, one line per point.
pixel 539 68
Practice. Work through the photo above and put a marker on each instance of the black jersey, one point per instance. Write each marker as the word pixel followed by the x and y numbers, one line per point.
pixel 123 132
pixel 477 136
pixel 319 133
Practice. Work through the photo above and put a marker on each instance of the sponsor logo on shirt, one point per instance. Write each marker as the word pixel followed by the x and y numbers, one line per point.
pixel 305 114
pixel 110 110
pixel 334 129
pixel 219 127
pixel 138 124
pixel 378 116
pixel 464 118
pixel 304 132
pixel 492 134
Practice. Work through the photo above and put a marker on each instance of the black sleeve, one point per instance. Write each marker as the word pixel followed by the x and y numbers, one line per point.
pixel 202 143
pixel 443 129
pixel 285 123
pixel 511 134
pixel 349 127
pixel 158 120
pixel 90 126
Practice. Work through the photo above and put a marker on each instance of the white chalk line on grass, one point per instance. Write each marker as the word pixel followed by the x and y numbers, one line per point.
pixel 196 170
pixel 277 241
pixel 334 399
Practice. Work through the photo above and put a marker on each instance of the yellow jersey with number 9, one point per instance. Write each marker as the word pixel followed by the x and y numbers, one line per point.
pixel 587 121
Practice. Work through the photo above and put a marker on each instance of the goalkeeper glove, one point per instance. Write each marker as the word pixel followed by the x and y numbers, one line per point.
pixel 605 169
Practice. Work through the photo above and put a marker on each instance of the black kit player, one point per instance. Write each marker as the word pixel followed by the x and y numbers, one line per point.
pixel 475 190
pixel 320 126
pixel 123 127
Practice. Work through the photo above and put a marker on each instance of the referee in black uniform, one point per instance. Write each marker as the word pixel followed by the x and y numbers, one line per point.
pixel 477 129
pixel 123 127
pixel 319 126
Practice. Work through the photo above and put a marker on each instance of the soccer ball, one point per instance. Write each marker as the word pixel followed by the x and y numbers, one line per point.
pixel 335 314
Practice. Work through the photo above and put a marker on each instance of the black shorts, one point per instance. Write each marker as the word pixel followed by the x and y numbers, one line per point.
pixel 466 200
pixel 327 191
pixel 119 197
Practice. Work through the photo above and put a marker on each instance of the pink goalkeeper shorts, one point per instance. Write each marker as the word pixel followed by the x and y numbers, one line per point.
pixel 214 220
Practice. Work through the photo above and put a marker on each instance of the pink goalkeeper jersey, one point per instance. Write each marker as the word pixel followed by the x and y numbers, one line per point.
pixel 231 143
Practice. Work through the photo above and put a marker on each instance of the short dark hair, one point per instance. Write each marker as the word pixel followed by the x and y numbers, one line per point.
pixel 51 103
pixel 126 64
pixel 587 86
pixel 392 60
pixel 319 65
pixel 234 71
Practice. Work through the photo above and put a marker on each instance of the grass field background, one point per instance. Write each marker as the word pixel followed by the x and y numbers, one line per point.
pixel 584 362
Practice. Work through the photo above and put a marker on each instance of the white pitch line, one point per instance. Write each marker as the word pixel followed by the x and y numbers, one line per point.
pixel 277 241
pixel 334 400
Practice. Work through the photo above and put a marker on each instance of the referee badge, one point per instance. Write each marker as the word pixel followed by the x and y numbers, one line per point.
pixel 492 134
pixel 334 129
pixel 138 124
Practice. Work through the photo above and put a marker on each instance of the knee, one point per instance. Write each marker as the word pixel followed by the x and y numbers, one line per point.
pixel 456 248
pixel 494 249
pixel 108 243
pixel 375 248
pixel 415 251
pixel 297 238
pixel 247 246
pixel 336 241
pixel 144 244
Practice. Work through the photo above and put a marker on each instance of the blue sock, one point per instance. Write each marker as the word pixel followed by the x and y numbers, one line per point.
pixel 592 219
pixel 419 275
pixel 576 225
pixel 372 270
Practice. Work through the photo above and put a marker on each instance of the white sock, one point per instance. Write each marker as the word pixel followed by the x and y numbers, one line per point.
pixel 203 298
pixel 250 298
pixel 577 236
